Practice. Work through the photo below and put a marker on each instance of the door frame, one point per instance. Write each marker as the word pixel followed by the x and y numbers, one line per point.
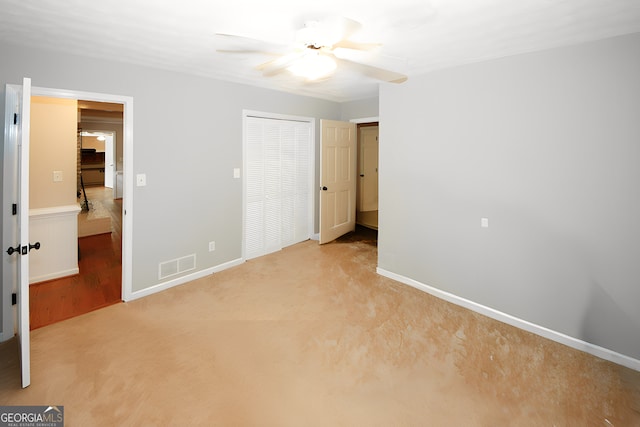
pixel 328 230
pixel 109 150
pixel 127 197
pixel 357 121
pixel 127 148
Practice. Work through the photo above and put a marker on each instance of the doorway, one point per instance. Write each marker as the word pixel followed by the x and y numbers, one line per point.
pixel 278 184
pixel 17 226
pixel 366 218
pixel 367 189
pixel 98 282
pixel 348 177
pixel 125 158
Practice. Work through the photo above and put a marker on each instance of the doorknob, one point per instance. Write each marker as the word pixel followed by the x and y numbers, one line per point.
pixel 324 188
pixel 27 249
pixel 24 249
pixel 11 251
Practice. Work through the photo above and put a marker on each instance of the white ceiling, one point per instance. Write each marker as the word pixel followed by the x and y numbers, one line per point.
pixel 417 36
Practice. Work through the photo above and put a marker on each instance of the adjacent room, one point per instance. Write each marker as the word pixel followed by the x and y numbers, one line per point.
pixel 419 213
pixel 79 269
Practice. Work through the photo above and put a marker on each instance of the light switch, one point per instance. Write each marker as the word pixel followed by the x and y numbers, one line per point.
pixel 57 176
pixel 141 180
pixel 236 172
pixel 484 222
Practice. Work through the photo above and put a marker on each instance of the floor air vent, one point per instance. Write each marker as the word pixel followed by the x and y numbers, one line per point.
pixel 176 266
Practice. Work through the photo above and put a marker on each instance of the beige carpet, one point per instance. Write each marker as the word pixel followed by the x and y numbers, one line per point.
pixel 311 336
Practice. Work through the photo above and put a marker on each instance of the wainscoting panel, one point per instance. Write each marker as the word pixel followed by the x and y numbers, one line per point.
pixel 57 231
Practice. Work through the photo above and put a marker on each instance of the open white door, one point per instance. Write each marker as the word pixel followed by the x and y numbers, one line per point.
pixel 16 199
pixel 338 145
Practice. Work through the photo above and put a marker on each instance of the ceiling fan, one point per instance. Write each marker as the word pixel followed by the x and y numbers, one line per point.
pixel 318 49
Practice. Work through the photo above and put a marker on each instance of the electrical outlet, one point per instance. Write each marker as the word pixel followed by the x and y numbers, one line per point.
pixel 212 246
pixel 484 222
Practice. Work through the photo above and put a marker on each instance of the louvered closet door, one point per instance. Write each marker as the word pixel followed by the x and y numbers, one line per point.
pixel 272 187
pixel 295 160
pixel 278 186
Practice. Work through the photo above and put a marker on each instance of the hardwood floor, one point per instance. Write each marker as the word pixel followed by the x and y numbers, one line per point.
pixel 99 283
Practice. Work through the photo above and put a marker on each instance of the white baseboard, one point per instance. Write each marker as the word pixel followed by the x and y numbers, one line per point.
pixel 182 280
pixel 56 275
pixel 559 337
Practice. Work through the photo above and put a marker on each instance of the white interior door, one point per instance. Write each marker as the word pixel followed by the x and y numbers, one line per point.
pixel 23 234
pixel 338 158
pixel 16 227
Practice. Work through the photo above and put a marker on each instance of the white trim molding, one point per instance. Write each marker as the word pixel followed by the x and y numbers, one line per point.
pixel 559 337
pixel 54 211
pixel 365 120
pixel 127 196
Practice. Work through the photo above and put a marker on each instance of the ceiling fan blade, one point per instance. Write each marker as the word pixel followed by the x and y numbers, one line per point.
pixel 374 72
pixel 348 44
pixel 278 65
pixel 347 26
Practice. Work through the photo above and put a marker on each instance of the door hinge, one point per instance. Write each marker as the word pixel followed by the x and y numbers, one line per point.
pixel 14 209
pixel 14 298
pixel 15 118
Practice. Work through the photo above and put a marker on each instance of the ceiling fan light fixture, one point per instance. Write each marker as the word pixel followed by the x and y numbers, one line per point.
pixel 317 34
pixel 313 66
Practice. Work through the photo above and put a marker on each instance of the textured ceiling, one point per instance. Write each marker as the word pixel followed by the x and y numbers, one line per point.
pixel 417 36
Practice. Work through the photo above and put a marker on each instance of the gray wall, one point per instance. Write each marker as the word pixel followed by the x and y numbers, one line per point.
pixel 187 139
pixel 547 147
pixel 360 109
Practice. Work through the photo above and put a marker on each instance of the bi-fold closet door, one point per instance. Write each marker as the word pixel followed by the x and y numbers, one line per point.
pixel 278 184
